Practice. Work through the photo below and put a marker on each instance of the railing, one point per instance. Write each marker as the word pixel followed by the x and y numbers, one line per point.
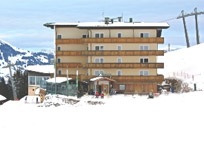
pixel 112 53
pixel 159 40
pixel 158 78
pixel 124 65
pixel 139 79
pixel 69 65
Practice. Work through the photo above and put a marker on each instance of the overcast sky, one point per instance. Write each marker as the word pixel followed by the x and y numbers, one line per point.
pixel 21 21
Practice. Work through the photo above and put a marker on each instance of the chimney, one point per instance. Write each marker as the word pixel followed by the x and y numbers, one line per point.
pixel 107 20
pixel 119 19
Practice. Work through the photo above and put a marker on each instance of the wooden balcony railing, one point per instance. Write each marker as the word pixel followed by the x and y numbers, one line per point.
pixel 112 53
pixel 158 78
pixel 159 40
pixel 139 79
pixel 69 65
pixel 124 65
pixel 124 53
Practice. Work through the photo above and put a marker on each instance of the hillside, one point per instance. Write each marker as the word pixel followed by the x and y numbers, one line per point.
pixel 20 57
pixel 186 64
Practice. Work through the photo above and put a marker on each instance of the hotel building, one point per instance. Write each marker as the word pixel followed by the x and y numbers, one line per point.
pixel 125 52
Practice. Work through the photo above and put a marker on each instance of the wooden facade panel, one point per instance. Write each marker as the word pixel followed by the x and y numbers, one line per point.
pixel 124 65
pixel 69 65
pixel 158 78
pixel 159 40
pixel 111 53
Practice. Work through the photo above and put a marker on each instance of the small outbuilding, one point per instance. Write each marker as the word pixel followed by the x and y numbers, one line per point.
pixel 101 84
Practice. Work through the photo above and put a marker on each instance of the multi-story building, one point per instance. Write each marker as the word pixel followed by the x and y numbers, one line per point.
pixel 124 51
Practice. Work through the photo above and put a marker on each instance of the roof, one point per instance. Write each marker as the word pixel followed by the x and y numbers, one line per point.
pixel 102 78
pixel 48 69
pixel 2 98
pixel 58 80
pixel 162 25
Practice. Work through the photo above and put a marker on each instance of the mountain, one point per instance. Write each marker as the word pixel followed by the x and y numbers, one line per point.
pixel 186 64
pixel 21 58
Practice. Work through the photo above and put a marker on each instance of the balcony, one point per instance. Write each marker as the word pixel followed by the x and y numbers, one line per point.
pixel 135 79
pixel 69 65
pixel 112 53
pixel 124 65
pixel 124 53
pixel 158 78
pixel 159 40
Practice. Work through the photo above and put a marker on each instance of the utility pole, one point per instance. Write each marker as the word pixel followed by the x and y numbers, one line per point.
pixel 185 28
pixel 12 82
pixel 197 31
pixel 196 21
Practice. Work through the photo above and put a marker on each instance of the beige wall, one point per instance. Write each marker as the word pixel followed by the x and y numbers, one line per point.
pixel 72 71
pixel 125 46
pixel 71 32
pixel 124 71
pixel 125 59
pixel 73 47
pixel 125 32
pixel 73 59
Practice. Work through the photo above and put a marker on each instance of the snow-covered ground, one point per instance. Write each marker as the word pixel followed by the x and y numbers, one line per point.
pixel 186 64
pixel 126 124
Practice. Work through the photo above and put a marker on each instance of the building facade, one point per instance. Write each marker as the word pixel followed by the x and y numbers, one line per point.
pixel 123 51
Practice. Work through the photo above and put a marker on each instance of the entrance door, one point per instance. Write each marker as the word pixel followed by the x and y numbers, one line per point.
pixel 105 88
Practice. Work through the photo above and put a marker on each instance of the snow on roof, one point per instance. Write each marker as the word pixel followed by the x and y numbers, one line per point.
pixel 112 25
pixel 96 78
pixel 41 68
pixel 101 78
pixel 58 80
pixel 2 98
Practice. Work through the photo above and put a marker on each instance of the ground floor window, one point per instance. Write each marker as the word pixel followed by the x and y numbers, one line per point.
pixel 121 87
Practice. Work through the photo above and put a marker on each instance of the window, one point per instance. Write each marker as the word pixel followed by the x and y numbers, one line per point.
pixel 59 36
pixel 119 47
pixel 38 80
pixel 58 48
pixel 144 35
pixel 99 47
pixel 144 60
pixel 58 60
pixel 31 80
pixel 99 60
pixel 144 47
pixel 99 35
pixel 98 72
pixel 59 72
pixel 84 36
pixel 121 87
pixel 119 72
pixel 119 60
pixel 119 35
pixel 144 72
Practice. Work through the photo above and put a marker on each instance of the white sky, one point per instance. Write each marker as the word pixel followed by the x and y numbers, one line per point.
pixel 22 20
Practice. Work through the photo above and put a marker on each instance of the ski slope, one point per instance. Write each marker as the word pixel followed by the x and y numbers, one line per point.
pixel 186 64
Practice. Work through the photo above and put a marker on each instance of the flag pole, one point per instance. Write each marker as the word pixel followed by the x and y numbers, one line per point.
pixel 55 58
pixel 77 80
pixel 67 80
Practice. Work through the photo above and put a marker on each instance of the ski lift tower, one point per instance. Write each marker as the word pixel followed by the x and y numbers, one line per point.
pixel 12 82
